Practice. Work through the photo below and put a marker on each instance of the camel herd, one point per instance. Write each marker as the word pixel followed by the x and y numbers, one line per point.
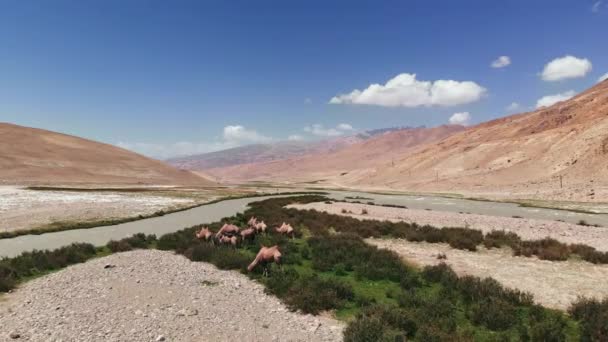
pixel 230 234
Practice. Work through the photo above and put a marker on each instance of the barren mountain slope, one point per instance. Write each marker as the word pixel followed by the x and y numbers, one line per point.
pixel 524 153
pixel 354 159
pixel 31 155
pixel 260 153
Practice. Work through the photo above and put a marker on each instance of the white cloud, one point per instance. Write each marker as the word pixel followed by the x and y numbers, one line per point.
pixel 233 136
pixel 404 90
pixel 295 137
pixel 514 106
pixel 321 131
pixel 596 6
pixel 345 127
pixel 566 67
pixel 550 100
pixel 239 133
pixel 603 78
pixel 462 118
pixel 501 62
pixel 307 100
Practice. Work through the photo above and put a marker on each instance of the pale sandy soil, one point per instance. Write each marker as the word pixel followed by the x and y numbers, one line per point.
pixel 527 229
pixel 151 295
pixel 553 284
pixel 23 209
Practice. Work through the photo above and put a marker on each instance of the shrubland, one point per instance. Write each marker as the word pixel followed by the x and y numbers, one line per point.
pixel 329 267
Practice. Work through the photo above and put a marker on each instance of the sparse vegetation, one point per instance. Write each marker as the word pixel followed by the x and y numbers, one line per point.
pixel 330 267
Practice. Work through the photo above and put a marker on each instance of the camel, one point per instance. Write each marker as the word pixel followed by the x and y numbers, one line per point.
pixel 227 229
pixel 205 233
pixel 252 221
pixel 229 240
pixel 265 256
pixel 261 227
pixel 248 233
pixel 285 229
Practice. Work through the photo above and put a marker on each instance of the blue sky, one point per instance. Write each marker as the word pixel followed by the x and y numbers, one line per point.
pixel 175 77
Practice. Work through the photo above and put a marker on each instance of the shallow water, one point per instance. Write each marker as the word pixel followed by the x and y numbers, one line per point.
pixel 214 212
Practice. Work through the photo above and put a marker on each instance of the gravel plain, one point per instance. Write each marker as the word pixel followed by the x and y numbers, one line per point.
pixel 22 209
pixel 151 295
pixel 553 284
pixel 527 229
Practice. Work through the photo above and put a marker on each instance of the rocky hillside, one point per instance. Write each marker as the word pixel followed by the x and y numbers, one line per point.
pixel 31 155
pixel 357 158
pixel 561 151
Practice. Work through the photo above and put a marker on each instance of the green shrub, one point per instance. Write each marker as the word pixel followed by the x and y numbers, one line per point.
pixel 593 317
pixel 381 323
pixel 495 314
pixel 201 252
pixel 366 329
pixel 313 294
pixel 228 258
pixel 178 241
pixel 280 281
pixel 500 238
pixel 552 328
pixel 118 246
pixel 7 277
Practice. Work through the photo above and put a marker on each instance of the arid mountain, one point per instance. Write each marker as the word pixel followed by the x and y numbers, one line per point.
pixel 31 155
pixel 357 158
pixel 559 152
pixel 261 153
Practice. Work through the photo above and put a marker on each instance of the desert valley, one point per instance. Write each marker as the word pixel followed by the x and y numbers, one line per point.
pixel 384 220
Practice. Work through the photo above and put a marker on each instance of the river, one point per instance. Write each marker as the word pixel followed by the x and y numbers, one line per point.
pixel 216 211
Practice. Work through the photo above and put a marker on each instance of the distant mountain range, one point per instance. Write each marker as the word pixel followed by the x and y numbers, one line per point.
pixel 317 160
pixel 261 153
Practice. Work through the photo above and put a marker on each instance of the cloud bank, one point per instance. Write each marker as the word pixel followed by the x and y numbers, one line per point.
pixel 404 90
pixel 603 78
pixel 320 130
pixel 550 100
pixel 566 67
pixel 232 136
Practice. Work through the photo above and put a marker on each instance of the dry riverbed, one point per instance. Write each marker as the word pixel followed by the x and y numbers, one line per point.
pixel 553 284
pixel 21 208
pixel 150 295
pixel 527 229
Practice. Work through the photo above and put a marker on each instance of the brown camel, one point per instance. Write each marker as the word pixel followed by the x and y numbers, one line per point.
pixel 232 240
pixel 265 256
pixel 227 229
pixel 285 229
pixel 204 233
pixel 261 227
pixel 248 233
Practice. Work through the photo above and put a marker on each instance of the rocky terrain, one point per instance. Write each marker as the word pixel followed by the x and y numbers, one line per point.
pixel 553 284
pixel 36 156
pixel 527 229
pixel 382 148
pixel 150 295
pixel 261 153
